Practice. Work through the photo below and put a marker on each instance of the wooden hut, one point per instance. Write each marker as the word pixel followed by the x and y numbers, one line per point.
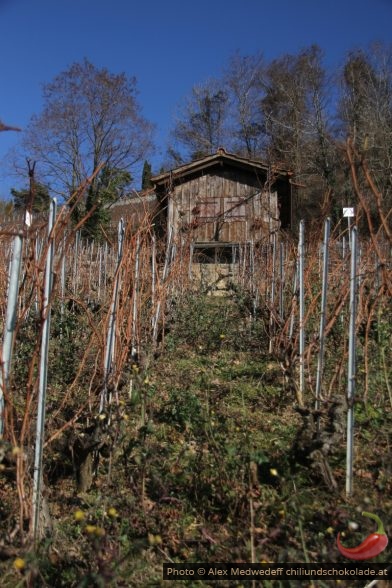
pixel 222 200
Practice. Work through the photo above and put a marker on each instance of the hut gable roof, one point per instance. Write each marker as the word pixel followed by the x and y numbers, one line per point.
pixel 221 157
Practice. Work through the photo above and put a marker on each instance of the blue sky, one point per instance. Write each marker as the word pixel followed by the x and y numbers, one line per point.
pixel 168 46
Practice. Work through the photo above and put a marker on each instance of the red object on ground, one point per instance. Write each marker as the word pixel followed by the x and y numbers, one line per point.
pixel 374 544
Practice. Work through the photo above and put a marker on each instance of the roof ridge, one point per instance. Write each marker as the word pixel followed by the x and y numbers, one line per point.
pixel 220 153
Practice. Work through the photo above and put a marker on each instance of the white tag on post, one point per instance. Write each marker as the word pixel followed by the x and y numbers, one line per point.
pixel 28 218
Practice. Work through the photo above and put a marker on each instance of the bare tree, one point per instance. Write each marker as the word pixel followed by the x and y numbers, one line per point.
pixel 298 123
pixel 292 106
pixel 366 115
pixel 4 127
pixel 244 79
pixel 200 127
pixel 90 117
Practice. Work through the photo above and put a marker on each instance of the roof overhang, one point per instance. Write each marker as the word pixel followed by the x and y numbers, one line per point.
pixel 221 157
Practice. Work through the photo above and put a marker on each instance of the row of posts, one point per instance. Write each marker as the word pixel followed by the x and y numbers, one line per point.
pixel 12 310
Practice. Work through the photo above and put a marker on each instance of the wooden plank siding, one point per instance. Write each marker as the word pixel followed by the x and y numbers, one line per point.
pixel 223 205
pixel 135 209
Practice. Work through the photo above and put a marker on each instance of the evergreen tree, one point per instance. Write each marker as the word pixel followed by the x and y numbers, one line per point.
pixel 146 176
pixel 110 186
pixel 37 197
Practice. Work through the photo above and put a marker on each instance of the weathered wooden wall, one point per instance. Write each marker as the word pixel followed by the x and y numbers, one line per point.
pixel 134 209
pixel 228 206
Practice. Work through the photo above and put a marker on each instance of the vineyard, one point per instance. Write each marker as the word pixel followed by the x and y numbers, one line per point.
pixel 145 420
